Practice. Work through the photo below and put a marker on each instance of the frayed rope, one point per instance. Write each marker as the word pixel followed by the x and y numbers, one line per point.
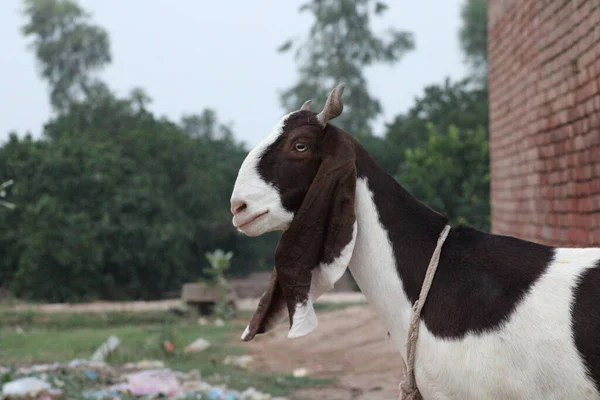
pixel 408 388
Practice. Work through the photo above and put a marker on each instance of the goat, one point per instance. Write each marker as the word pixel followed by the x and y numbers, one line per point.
pixel 505 318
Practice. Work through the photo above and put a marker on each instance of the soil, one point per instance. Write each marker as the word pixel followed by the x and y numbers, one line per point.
pixel 349 344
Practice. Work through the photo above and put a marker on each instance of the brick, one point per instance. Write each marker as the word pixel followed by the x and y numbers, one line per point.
pixel 544 80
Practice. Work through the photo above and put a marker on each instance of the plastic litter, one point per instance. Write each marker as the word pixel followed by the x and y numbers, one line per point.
pixel 146 364
pixel 219 322
pixel 169 346
pixel 91 374
pixel 101 394
pixel 300 372
pixel 25 387
pixel 215 394
pixel 253 394
pixel 197 346
pixel 144 384
pixel 238 361
pixel 87 364
pixel 160 381
pixel 106 348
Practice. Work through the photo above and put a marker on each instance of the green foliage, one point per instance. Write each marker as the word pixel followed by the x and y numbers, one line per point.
pixel 340 45
pixel 69 49
pixel 442 151
pixel 452 173
pixel 219 264
pixel 473 35
pixel 462 104
pixel 117 204
pixel 439 148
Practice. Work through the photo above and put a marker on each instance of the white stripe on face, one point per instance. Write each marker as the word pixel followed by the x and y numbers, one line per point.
pixel 264 211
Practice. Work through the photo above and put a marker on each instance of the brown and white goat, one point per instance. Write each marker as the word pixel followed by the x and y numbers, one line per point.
pixel 505 318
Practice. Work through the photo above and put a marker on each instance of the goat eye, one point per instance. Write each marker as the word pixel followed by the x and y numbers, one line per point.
pixel 300 147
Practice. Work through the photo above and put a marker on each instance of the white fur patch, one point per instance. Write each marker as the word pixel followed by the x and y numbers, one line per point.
pixel 532 356
pixel 323 279
pixel 373 266
pixel 259 195
pixel 305 320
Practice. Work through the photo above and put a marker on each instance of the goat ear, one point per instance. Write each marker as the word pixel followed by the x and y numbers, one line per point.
pixel 270 312
pixel 313 253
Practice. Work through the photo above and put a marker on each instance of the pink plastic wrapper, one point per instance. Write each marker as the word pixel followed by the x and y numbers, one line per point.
pixel 161 381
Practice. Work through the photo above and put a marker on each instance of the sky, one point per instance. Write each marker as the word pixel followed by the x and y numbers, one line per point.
pixel 189 55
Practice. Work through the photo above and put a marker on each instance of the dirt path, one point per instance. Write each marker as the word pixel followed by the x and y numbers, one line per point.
pixel 350 344
pixel 243 304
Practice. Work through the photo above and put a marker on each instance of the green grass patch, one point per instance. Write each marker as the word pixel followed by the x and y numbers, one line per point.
pixel 36 338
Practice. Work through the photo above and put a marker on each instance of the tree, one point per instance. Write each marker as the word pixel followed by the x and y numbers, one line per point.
pixel 451 173
pixel 340 45
pixel 70 50
pixel 115 203
pixel 462 104
pixel 440 145
pixel 473 35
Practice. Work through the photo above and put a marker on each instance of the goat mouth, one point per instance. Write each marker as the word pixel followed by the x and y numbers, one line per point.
pixel 252 220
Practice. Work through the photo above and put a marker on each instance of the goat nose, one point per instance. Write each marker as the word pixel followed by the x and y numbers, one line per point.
pixel 237 206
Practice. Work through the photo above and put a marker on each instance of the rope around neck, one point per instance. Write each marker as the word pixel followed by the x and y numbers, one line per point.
pixel 408 388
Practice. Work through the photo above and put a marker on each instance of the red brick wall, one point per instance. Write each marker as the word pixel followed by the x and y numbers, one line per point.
pixel 544 73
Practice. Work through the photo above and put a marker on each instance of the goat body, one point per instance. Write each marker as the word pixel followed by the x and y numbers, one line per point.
pixel 505 318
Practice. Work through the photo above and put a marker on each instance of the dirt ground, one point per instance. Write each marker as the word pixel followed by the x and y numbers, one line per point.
pixel 350 344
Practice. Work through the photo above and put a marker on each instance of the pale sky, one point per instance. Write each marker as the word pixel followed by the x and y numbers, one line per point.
pixel 191 54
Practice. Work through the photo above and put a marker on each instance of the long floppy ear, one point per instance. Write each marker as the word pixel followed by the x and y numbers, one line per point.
pixel 314 252
pixel 270 311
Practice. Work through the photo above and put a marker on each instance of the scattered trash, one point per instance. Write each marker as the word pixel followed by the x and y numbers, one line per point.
pixel 58 383
pixel 215 394
pixel 151 381
pixel 196 386
pixel 107 347
pixel 219 322
pixel 300 372
pixel 168 346
pixel 38 368
pixel 87 364
pixel 197 346
pixel 25 387
pixel 101 394
pixel 18 329
pixel 202 321
pixel 146 364
pixel 91 374
pixel 238 361
pixel 160 381
pixel 253 394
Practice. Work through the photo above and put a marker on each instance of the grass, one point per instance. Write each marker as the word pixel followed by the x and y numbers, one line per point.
pixel 34 338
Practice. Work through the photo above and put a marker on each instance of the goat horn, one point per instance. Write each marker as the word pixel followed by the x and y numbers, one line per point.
pixel 333 105
pixel 306 105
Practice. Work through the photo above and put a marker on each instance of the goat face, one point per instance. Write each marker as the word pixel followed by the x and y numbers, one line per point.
pixel 276 174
